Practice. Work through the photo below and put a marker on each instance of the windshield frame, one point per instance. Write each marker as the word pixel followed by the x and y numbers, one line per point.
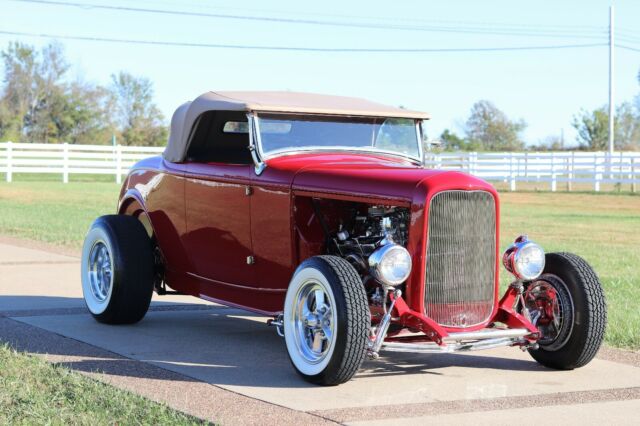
pixel 262 156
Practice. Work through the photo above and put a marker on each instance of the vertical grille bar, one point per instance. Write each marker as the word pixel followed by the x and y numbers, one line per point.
pixel 461 256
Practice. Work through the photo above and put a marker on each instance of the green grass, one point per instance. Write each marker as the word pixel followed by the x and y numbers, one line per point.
pixel 32 391
pixel 604 228
pixel 52 211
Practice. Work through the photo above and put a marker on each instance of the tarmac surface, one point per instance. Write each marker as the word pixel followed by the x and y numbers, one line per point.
pixel 225 365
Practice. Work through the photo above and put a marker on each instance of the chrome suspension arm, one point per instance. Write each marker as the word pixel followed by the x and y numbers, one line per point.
pixel 375 344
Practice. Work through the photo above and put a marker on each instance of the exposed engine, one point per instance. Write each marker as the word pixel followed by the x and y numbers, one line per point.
pixel 357 238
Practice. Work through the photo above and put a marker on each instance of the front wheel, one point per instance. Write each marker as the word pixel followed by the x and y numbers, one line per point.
pixel 326 320
pixel 568 306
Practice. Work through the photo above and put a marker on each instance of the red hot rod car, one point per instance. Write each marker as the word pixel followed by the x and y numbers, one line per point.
pixel 317 211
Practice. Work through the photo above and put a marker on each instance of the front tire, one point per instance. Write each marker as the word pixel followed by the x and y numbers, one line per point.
pixel 117 270
pixel 326 320
pixel 568 305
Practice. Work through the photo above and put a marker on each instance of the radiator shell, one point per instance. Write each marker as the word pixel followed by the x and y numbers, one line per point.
pixel 460 264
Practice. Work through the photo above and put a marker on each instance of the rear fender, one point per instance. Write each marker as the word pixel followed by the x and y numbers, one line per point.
pixel 131 204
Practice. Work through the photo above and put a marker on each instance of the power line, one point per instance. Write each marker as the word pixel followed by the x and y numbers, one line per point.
pixel 633 49
pixel 302 49
pixel 475 29
pixel 519 26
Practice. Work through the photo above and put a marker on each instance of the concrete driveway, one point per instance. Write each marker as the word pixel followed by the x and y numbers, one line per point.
pixel 226 365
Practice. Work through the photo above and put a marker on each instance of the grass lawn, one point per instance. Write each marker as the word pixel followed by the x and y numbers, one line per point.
pixel 32 391
pixel 604 228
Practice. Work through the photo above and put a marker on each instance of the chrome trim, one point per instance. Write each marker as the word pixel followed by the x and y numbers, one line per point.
pixel 420 135
pixel 457 347
pixel 486 334
pixel 278 153
pixel 354 150
pixel 466 341
pixel 254 148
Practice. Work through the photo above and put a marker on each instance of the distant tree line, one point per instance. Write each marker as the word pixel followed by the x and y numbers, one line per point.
pixel 489 129
pixel 40 102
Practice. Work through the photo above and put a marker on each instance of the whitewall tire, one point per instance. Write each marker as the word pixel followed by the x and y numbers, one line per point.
pixel 117 270
pixel 326 320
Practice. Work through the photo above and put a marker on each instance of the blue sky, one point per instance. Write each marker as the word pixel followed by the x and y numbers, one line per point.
pixel 545 88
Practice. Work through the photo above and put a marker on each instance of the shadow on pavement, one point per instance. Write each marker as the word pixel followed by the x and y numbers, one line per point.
pixel 219 345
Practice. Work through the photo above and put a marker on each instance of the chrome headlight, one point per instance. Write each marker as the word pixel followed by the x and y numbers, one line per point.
pixel 390 264
pixel 524 259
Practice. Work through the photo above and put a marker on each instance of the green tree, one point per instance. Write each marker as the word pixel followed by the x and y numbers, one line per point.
pixel 39 104
pixel 627 127
pixel 550 143
pixel 453 142
pixel 593 128
pixel 490 129
pixel 137 117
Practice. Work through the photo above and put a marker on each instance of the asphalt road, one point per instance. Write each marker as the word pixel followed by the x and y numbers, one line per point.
pixel 227 366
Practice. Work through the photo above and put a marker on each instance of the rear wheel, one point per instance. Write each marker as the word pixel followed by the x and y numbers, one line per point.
pixel 117 270
pixel 326 320
pixel 568 306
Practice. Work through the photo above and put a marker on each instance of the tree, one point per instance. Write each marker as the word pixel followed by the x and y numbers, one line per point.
pixel 136 116
pixel 550 143
pixel 593 128
pixel 38 104
pixel 490 129
pixel 627 127
pixel 452 142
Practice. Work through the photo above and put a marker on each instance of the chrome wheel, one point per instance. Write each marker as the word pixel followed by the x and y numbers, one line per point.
pixel 100 271
pixel 313 320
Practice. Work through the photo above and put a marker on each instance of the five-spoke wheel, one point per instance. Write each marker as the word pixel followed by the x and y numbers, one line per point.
pixel 117 270
pixel 326 320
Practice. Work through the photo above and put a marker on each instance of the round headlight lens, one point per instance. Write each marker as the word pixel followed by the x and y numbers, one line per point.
pixel 390 264
pixel 529 261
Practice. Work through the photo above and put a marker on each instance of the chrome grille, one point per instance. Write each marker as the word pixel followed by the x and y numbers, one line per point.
pixel 461 256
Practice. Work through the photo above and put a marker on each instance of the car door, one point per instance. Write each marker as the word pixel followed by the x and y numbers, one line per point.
pixel 217 210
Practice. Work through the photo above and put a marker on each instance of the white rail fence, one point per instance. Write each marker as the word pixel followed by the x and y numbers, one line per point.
pixel 66 159
pixel 552 168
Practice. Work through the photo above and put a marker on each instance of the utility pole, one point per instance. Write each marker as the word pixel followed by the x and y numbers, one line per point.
pixel 611 88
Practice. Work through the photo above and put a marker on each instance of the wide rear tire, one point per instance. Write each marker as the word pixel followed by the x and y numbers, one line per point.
pixel 117 270
pixel 326 320
pixel 582 310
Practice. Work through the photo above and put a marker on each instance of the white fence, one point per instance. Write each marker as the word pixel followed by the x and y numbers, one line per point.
pixel 552 168
pixel 65 159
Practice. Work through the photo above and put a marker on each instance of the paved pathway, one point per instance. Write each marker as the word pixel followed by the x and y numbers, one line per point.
pixel 225 365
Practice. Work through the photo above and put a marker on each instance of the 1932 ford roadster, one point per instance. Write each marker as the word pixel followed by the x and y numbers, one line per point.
pixel 316 211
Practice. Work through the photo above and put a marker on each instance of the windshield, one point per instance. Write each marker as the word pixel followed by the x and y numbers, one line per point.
pixel 291 132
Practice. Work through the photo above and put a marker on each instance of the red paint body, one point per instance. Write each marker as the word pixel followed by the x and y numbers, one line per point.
pixel 209 218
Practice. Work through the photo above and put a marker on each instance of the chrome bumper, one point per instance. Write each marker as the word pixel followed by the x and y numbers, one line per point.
pixel 465 341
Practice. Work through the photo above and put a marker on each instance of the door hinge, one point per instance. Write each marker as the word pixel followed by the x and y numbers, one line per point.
pixel 248 190
pixel 250 260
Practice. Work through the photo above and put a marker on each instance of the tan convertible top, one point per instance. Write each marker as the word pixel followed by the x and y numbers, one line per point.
pixel 187 114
